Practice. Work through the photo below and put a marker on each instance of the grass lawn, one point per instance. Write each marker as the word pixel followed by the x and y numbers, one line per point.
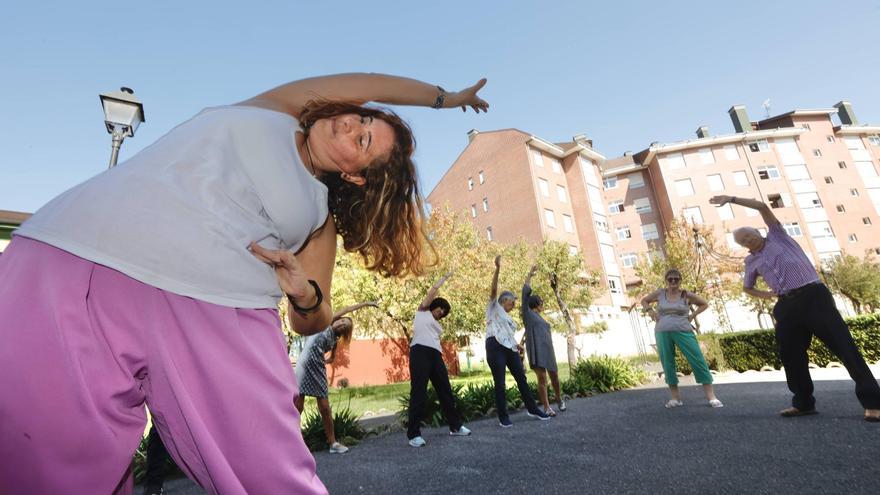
pixel 382 399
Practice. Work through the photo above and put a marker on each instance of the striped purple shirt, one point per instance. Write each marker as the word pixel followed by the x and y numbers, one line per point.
pixel 781 262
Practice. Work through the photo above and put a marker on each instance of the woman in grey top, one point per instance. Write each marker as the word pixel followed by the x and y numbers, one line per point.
pixel 674 316
pixel 539 345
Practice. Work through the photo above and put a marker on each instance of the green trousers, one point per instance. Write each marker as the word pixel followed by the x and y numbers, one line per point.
pixel 690 348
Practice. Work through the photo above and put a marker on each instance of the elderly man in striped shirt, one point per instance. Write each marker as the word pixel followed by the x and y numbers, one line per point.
pixel 804 308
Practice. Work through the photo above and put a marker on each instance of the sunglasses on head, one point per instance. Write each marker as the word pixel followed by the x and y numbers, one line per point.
pixel 673 279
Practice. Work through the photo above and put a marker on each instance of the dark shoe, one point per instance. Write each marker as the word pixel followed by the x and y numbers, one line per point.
pixel 792 412
pixel 153 490
pixel 872 415
pixel 538 414
pixel 504 422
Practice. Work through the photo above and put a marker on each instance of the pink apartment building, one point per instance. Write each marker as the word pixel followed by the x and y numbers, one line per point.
pixel 821 177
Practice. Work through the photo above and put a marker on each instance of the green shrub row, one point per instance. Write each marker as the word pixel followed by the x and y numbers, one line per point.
pixel 475 400
pixel 756 349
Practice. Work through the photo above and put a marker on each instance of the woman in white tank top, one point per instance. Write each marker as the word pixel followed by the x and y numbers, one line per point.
pixel 157 282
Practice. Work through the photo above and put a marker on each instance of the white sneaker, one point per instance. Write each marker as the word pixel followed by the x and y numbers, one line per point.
pixel 674 403
pixel 417 442
pixel 338 448
pixel 715 403
pixel 461 432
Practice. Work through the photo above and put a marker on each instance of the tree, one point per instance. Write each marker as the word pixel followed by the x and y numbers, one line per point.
pixel 857 279
pixel 707 268
pixel 759 305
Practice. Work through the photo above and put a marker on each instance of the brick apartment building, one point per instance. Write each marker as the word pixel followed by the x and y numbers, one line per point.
pixel 821 177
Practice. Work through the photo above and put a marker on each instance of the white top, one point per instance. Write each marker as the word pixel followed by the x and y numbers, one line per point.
pixel 426 330
pixel 179 215
pixel 500 325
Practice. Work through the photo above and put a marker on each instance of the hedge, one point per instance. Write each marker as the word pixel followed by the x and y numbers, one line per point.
pixel 755 349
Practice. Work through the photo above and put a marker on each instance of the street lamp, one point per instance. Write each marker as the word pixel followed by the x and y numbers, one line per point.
pixel 123 112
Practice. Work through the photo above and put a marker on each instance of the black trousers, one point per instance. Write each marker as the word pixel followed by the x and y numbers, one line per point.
pixel 813 312
pixel 426 363
pixel 157 462
pixel 501 358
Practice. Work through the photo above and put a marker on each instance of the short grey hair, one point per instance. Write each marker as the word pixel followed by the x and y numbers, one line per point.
pixel 747 229
pixel 506 295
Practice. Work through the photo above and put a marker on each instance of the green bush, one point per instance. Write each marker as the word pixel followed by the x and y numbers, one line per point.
pixel 602 374
pixel 756 349
pixel 345 426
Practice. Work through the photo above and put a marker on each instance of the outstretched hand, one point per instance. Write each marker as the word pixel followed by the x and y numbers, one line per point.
pixel 720 200
pixel 467 97
pixel 290 274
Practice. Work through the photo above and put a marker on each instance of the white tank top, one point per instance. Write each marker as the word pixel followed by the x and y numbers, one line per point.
pixel 179 215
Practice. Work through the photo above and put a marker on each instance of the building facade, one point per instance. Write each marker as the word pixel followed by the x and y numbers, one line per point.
pixel 817 168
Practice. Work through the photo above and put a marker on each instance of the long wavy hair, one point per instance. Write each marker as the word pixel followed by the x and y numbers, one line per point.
pixel 345 337
pixel 383 220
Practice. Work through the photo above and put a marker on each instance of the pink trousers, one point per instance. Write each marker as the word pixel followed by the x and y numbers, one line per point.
pixel 83 347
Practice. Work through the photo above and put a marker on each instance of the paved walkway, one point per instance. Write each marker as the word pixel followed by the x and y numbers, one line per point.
pixel 626 442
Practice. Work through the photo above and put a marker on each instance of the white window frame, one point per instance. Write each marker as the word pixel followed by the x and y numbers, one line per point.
pixel 817 153
pixel 623 233
pixel 610 182
pixel 482 177
pixel 793 229
pixel 615 207
pixel 693 214
pixel 649 231
pixel 874 139
pixel 561 194
pixel 470 183
pixel 635 180
pixel 642 205
pixel 674 161
pixel 538 157
pixel 489 233
pixel 713 185
pixel 771 171
pixel 601 223
pixel 567 223
pixel 741 173
pixel 628 260
pixel 544 187
pixel 486 205
pixel 725 211
pixel 550 218
pixel 473 211
pixel 684 188
pixel 556 165
pixel 706 156
pixel 731 152
pixel 614 285
pixel 759 145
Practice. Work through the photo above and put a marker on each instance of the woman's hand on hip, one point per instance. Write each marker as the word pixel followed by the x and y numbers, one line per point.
pixel 290 274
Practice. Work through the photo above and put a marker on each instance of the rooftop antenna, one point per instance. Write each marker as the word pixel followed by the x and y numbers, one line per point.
pixel 766 106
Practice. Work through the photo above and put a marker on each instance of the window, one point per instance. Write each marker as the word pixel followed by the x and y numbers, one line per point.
pixel 557 167
pixel 567 224
pixel 649 231
pixel 829 180
pixel 482 177
pixel 615 207
pixel 740 178
pixel 841 164
pixel 874 139
pixel 470 183
pixel 793 229
pixel 806 126
pixel 817 153
pixel 489 233
pixel 643 205
pixel 550 218
pixel 544 186
pixel 820 230
pixel 623 233
pixel 730 152
pixel 809 200
pixel 853 238
pixel 866 220
pixel 693 214
pixel 560 193
pixel 725 212
pixel 841 209
pixel 684 187
pixel 797 172
pixel 829 138
pixel 706 156
pixel 573 250
pixel 674 161
pixel 715 182
pixel 628 260
pixel 486 205
pixel 866 169
pixel 539 160
pixel 854 193
pixel 473 211
pixel 770 172
pixel 614 285
pixel 761 145
pixel 610 183
pixel 636 180
pixel 775 201
pixel 601 223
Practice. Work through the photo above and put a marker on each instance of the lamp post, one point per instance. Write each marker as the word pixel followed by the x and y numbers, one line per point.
pixel 123 113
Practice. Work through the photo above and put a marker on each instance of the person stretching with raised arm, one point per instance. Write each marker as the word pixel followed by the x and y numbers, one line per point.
pixel 426 363
pixel 539 345
pixel 311 369
pixel 804 308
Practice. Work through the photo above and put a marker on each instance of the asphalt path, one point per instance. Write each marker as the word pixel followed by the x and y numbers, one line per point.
pixel 627 442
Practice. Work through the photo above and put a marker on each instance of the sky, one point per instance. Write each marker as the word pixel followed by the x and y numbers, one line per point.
pixel 624 73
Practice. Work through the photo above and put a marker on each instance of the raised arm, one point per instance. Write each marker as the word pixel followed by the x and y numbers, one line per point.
pixel 527 286
pixel 354 307
pixel 494 293
pixel 765 211
pixel 363 88
pixel 432 292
